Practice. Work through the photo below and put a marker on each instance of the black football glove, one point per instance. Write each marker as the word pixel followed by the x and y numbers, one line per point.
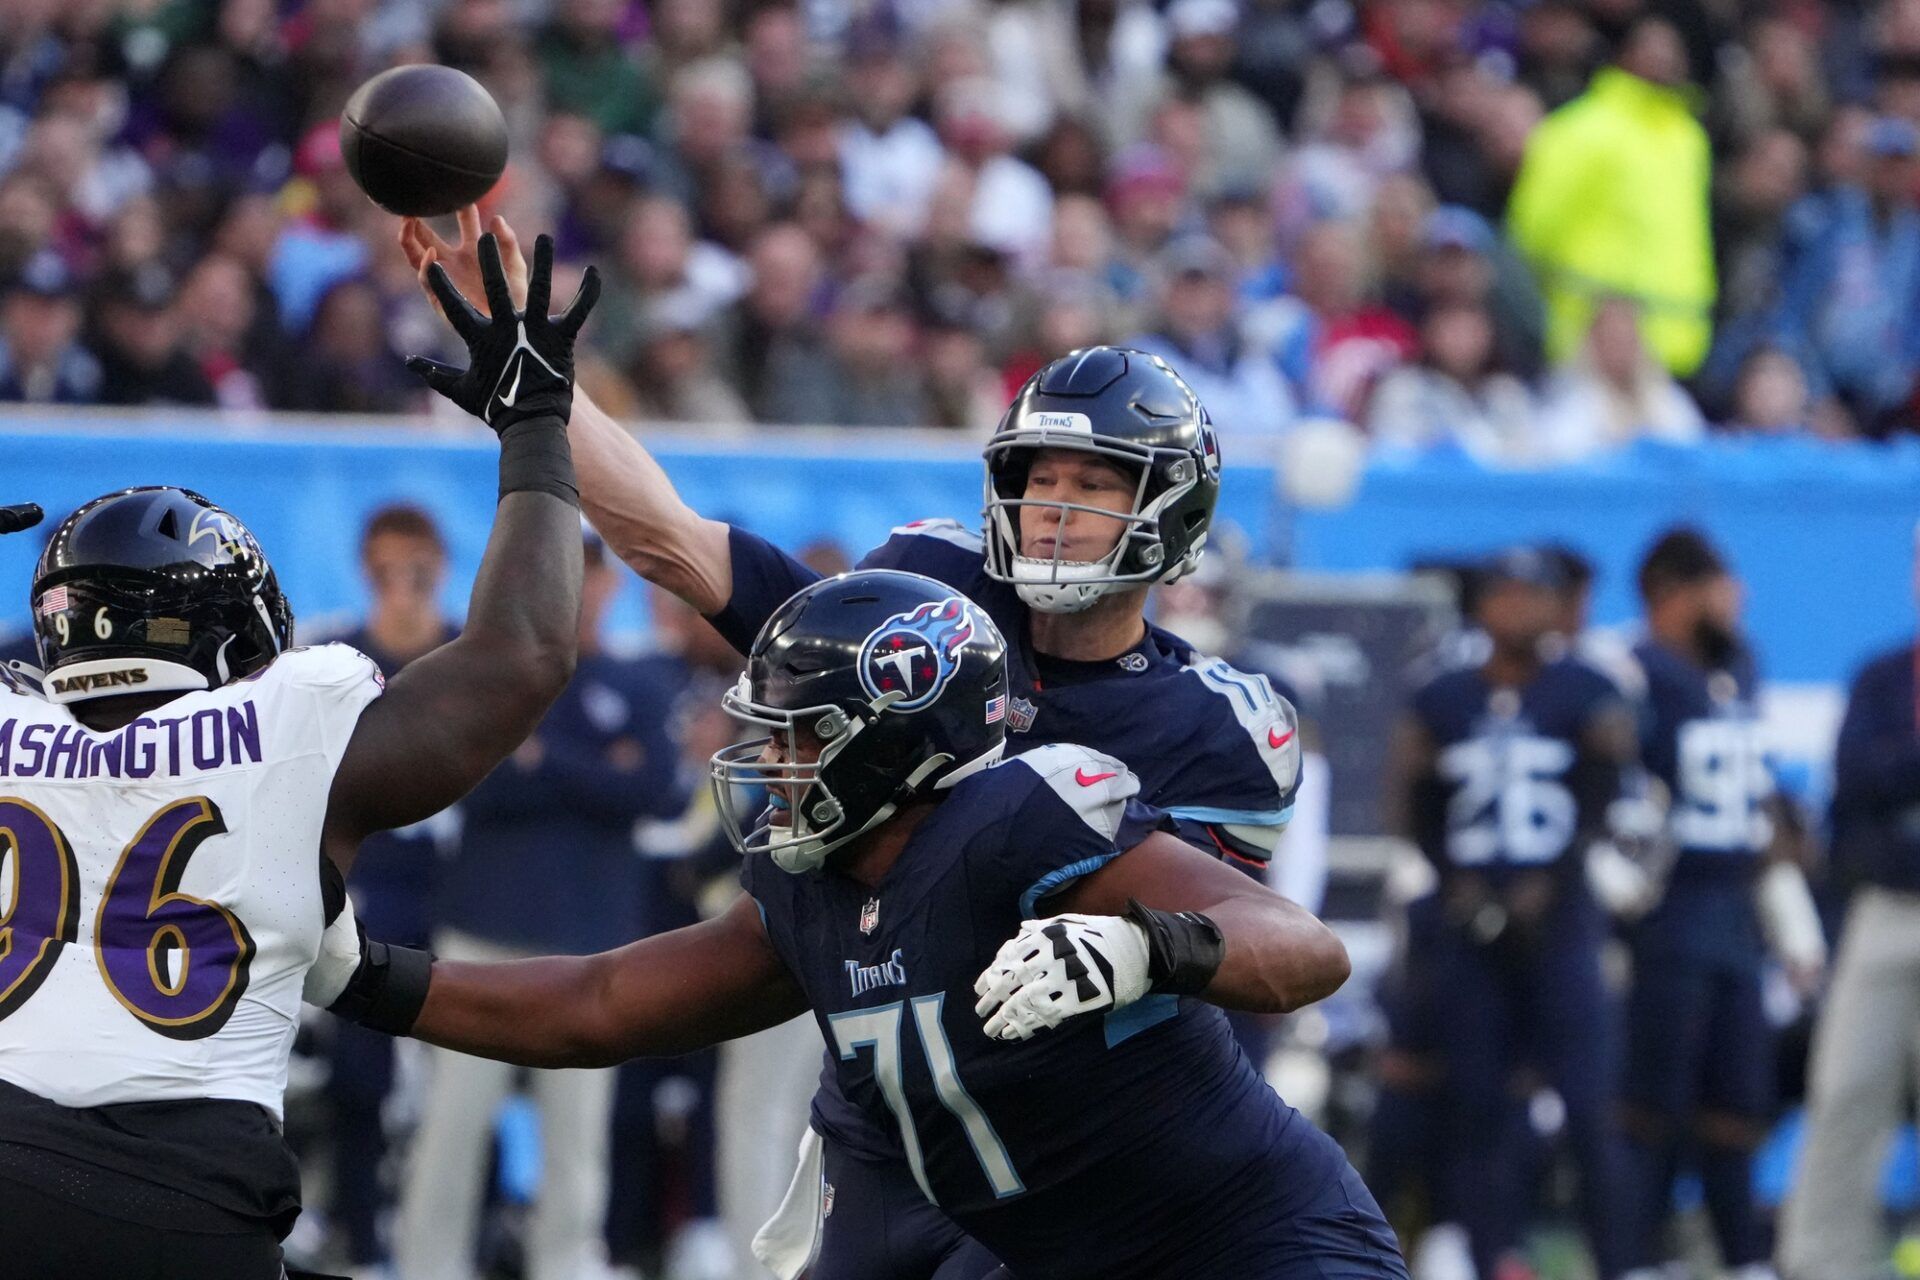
pixel 520 364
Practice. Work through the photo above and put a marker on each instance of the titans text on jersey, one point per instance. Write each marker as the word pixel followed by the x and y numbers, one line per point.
pixel 1140 1143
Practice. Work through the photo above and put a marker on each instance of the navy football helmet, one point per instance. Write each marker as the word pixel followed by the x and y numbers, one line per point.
pixel 899 680
pixel 1130 408
pixel 154 590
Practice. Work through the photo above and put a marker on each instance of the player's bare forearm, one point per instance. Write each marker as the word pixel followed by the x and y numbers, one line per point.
pixel 447 719
pixel 1279 957
pixel 630 500
pixel 669 994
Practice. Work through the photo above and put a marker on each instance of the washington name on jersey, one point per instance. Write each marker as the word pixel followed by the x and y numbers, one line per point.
pixel 159 746
pixel 166 885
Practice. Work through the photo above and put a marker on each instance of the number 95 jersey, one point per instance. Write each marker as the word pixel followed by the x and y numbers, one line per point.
pixel 160 884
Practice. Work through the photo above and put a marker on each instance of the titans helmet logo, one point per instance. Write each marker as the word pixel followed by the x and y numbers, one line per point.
pixel 916 653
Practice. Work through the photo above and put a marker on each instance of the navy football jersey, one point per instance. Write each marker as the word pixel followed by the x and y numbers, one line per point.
pixel 1701 737
pixel 1511 787
pixel 1138 1143
pixel 1216 749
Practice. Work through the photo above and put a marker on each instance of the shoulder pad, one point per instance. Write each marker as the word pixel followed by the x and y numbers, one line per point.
pixel 951 531
pixel 325 666
pixel 1095 786
pixel 1268 720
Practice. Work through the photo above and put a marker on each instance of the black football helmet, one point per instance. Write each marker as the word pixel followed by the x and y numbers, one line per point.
pixel 1128 407
pixel 899 680
pixel 154 590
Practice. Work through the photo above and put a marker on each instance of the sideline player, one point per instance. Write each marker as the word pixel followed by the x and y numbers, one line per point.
pixel 1504 775
pixel 1100 482
pixel 180 801
pixel 902 885
pixel 1700 1061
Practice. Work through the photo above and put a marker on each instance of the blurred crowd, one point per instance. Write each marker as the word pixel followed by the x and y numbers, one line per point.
pixel 1529 229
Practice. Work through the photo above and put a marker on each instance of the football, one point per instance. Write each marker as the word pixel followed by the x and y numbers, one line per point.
pixel 423 140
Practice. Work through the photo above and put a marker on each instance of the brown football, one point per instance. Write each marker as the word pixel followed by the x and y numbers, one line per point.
pixel 423 140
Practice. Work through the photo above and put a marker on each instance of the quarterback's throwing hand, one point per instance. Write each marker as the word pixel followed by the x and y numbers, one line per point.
pixel 520 363
pixel 1056 968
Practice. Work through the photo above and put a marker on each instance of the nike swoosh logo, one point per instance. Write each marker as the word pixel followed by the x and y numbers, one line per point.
pixel 1086 779
pixel 1277 740
pixel 508 396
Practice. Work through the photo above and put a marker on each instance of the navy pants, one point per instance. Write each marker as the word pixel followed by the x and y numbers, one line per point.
pixel 1500 1013
pixel 1700 1051
pixel 880 1227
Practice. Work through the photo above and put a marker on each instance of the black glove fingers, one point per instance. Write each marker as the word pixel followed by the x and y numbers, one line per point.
pixel 582 304
pixel 494 274
pixel 540 283
pixel 466 321
pixel 440 377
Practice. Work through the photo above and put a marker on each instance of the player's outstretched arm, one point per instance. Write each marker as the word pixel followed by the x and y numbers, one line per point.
pixel 668 994
pixel 1164 919
pixel 625 492
pixel 450 717
pixel 1278 956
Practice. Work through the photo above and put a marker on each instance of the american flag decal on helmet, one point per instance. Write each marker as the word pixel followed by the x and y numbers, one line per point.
pixel 55 601
pixel 996 709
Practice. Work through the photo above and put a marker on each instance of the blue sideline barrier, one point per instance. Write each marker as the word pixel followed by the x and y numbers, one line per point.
pixel 1822 533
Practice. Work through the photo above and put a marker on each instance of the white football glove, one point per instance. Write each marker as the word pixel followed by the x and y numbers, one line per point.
pixel 1056 968
pixel 337 962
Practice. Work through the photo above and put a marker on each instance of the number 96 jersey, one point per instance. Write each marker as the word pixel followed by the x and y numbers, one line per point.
pixel 160 884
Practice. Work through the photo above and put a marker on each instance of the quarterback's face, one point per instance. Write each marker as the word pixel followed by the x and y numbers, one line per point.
pixel 1086 480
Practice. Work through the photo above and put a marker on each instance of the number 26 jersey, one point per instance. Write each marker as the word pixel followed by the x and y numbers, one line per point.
pixel 160 884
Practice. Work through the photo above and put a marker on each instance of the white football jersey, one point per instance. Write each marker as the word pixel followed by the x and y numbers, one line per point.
pixel 160 893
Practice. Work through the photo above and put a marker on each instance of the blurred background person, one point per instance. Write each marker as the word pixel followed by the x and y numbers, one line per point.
pixel 545 865
pixel 1849 290
pixel 1613 200
pixel 1456 393
pixel 403 561
pixel 1861 1077
pixel 1698 1085
pixel 1503 774
pixel 1613 393
pixel 1199 335
pixel 665 1211
pixel 42 360
pixel 143 355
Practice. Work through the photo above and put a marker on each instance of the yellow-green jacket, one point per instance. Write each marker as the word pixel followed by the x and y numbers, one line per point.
pixel 1613 198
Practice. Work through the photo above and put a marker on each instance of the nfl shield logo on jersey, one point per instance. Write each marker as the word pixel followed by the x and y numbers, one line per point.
pixel 1020 714
pixel 870 916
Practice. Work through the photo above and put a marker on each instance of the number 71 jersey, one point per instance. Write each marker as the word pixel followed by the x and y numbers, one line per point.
pixel 160 885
